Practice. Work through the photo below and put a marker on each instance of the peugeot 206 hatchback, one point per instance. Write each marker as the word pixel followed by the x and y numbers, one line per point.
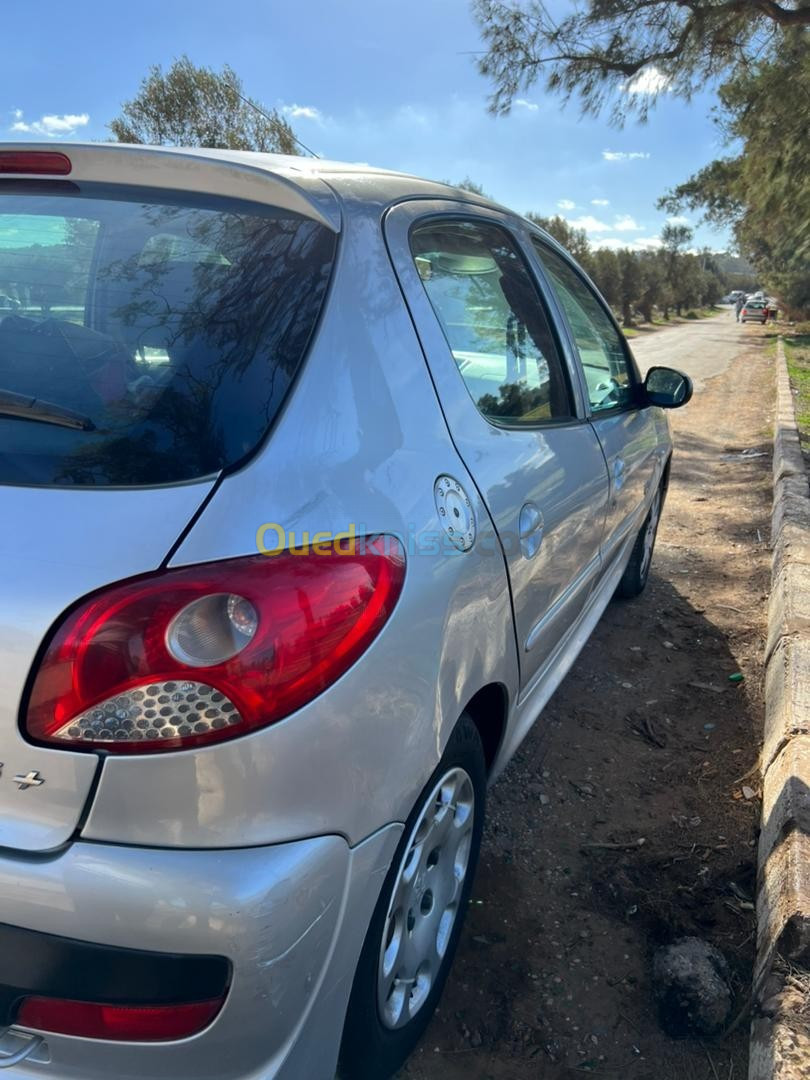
pixel 313 481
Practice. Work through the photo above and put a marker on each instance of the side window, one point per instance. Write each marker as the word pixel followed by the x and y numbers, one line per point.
pixel 493 319
pixel 602 351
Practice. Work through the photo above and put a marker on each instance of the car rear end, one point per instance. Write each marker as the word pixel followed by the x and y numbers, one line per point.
pixel 210 743
pixel 754 311
pixel 149 336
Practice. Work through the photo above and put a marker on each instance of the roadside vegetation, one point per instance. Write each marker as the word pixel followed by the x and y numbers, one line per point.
pixel 797 351
pixel 758 56
pixel 648 287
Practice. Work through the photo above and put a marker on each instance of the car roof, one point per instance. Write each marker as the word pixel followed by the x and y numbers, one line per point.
pixel 302 181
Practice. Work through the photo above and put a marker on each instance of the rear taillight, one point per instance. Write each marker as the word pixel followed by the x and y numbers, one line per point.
pixel 129 1023
pixel 34 163
pixel 206 653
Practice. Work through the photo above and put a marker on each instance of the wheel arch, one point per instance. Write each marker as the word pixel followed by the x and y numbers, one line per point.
pixel 489 711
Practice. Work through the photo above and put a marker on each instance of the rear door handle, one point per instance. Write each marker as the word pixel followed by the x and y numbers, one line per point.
pixel 619 473
pixel 530 528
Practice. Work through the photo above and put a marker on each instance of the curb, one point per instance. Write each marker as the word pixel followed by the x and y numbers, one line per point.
pixel 780 1026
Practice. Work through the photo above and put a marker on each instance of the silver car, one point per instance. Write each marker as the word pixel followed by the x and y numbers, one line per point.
pixel 315 480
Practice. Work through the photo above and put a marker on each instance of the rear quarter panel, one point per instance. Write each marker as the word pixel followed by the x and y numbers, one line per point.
pixel 361 441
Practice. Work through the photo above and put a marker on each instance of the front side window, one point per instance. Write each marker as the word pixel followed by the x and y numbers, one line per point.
pixel 494 321
pixel 602 352
pixel 158 333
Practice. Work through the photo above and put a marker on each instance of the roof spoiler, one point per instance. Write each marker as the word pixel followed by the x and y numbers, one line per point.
pixel 263 178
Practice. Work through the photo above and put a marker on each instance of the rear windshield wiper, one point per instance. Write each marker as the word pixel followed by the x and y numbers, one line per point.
pixel 30 408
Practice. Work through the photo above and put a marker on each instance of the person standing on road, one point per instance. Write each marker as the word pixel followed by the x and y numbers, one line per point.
pixel 739 304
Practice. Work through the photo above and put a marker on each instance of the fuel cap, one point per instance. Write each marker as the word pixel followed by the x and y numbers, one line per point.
pixel 455 512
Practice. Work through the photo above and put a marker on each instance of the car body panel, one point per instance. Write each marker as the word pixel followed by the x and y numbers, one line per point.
pixel 290 919
pixel 635 459
pixel 262 178
pixel 556 470
pixel 65 543
pixel 271 849
pixel 361 441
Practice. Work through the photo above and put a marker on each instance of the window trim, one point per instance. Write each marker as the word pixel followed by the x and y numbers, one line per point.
pixel 548 309
pixel 542 239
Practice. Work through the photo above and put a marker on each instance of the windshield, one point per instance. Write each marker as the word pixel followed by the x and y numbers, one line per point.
pixel 174 323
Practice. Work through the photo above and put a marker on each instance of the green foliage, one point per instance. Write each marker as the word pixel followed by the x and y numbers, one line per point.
pixel 797 352
pixel 197 106
pixel 573 240
pixel 763 192
pixel 467 184
pixel 645 281
pixel 592 54
pixel 630 278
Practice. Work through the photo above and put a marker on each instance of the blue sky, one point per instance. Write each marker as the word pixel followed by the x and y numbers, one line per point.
pixel 378 81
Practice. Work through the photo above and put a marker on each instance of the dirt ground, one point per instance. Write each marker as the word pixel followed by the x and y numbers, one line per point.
pixel 646 740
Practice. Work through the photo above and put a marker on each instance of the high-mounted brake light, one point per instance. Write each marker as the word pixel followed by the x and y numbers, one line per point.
pixel 34 163
pixel 205 653
pixel 129 1023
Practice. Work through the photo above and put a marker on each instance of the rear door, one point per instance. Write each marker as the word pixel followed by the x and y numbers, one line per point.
pixel 514 411
pixel 626 431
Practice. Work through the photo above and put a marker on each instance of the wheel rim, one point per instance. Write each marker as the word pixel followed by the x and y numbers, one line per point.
pixel 649 533
pixel 425 899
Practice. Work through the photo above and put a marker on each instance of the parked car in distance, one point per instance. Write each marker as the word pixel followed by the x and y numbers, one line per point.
pixel 318 477
pixel 754 311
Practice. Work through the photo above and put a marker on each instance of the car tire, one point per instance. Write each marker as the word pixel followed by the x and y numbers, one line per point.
pixel 419 915
pixel 637 571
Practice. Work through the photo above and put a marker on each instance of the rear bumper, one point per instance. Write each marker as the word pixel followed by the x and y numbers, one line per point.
pixel 44 965
pixel 287 921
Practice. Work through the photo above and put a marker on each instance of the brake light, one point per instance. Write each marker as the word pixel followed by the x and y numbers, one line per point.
pixel 127 1023
pixel 34 162
pixel 205 653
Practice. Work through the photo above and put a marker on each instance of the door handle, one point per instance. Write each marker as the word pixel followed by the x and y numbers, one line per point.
pixel 619 470
pixel 530 529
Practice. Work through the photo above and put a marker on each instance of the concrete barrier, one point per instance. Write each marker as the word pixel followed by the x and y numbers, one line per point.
pixel 780 1026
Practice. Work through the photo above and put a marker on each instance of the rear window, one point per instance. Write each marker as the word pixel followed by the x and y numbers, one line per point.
pixel 169 326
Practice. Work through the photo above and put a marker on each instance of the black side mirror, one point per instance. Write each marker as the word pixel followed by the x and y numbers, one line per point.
pixel 667 388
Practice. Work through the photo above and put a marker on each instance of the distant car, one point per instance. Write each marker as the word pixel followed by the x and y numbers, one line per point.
pixel 754 311
pixel 245 771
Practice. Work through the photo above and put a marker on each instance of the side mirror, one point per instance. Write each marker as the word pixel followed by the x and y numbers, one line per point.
pixel 667 388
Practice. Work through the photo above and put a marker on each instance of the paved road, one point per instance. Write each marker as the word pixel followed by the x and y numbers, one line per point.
pixel 703 349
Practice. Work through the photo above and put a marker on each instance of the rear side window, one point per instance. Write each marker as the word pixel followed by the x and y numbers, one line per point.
pixel 171 326
pixel 494 321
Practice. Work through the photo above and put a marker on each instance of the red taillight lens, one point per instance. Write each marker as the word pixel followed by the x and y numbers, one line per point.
pixel 206 653
pixel 126 1023
pixel 34 163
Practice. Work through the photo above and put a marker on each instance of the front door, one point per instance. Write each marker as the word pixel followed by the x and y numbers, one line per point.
pixel 513 409
pixel 627 432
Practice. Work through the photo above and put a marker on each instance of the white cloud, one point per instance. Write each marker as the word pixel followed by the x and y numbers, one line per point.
pixel 642 243
pixel 600 202
pixel 566 204
pixel 648 81
pixel 589 223
pixel 621 155
pixel 532 106
pixel 302 112
pixel 51 125
pixel 625 223
pixel 677 220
